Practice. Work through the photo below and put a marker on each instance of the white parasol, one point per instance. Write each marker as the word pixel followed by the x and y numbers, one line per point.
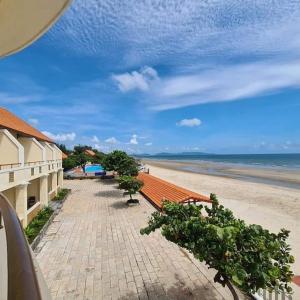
pixel 24 21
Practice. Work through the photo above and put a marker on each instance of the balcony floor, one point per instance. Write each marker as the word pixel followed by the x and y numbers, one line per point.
pixel 93 250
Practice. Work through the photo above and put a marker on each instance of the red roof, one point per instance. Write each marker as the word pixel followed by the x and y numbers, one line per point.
pixel 64 155
pixel 90 152
pixel 157 190
pixel 11 121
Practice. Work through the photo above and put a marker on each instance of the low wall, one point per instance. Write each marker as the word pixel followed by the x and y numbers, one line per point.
pixel 33 211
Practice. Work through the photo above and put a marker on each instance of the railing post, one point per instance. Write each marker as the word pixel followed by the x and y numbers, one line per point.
pixel 1 226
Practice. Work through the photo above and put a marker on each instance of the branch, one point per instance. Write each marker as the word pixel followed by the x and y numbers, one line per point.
pixel 223 280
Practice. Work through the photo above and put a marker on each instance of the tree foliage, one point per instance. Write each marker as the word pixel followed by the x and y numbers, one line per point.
pixel 130 184
pixel 81 148
pixel 247 255
pixel 120 162
pixel 63 148
pixel 78 157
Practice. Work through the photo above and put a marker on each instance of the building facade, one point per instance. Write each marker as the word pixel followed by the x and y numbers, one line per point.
pixel 31 170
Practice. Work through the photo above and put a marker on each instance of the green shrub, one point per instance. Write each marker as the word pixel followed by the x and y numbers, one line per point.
pixel 37 223
pixel 247 255
pixel 120 162
pixel 61 194
pixel 130 184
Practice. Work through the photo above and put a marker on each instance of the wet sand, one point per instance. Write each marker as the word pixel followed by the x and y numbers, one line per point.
pixel 258 199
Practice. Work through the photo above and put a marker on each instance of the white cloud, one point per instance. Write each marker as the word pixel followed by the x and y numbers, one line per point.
pixel 189 122
pixel 111 140
pixel 149 144
pixel 97 147
pixel 61 137
pixel 136 80
pixel 225 84
pixel 33 121
pixel 149 30
pixel 7 98
pixel 134 140
pixel 95 139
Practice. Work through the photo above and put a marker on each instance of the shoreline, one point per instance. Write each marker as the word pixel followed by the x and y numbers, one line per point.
pixel 284 177
pixel 271 206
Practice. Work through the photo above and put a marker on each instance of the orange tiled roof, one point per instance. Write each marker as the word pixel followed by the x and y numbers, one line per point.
pixel 64 155
pixel 10 121
pixel 90 152
pixel 156 190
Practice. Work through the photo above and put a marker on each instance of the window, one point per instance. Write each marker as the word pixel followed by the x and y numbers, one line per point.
pixel 11 177
pixel 32 171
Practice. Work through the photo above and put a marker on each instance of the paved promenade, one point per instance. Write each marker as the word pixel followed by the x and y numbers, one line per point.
pixel 93 250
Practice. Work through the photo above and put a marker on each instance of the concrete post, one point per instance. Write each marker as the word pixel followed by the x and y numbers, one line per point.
pixel 60 178
pixel 21 202
pixel 44 190
pixel 54 182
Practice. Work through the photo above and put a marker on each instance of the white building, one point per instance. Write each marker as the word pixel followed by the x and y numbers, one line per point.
pixel 31 170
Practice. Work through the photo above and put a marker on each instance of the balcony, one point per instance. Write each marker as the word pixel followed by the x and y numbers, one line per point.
pixel 14 174
pixel 20 276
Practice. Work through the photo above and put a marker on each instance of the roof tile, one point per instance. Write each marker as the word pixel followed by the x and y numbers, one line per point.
pixel 157 190
pixel 10 121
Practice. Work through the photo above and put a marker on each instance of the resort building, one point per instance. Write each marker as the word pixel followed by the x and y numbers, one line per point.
pixel 31 170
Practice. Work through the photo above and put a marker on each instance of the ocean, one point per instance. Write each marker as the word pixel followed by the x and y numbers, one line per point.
pixel 287 161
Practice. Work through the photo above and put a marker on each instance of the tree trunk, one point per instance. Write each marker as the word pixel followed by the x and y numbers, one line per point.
pixel 223 280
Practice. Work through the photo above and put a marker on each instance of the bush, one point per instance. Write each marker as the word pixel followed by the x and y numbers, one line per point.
pixel 247 255
pixel 35 226
pixel 130 184
pixel 121 162
pixel 69 163
pixel 62 193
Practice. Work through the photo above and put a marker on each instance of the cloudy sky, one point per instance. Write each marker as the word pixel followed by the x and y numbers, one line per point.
pixel 149 76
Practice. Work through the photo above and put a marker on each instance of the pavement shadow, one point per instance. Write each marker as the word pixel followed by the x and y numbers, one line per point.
pixel 178 291
pixel 107 181
pixel 119 205
pixel 109 194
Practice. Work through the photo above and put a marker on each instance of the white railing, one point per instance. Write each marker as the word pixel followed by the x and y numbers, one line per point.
pixel 265 295
pixel 19 173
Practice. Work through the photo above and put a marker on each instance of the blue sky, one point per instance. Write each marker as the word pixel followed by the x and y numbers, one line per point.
pixel 151 76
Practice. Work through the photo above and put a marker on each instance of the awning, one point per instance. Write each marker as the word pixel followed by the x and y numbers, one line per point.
pixel 24 21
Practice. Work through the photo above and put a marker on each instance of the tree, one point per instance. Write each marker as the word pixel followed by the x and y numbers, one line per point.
pixel 74 160
pixel 99 157
pixel 120 162
pixel 247 255
pixel 63 148
pixel 131 185
pixel 69 163
pixel 81 148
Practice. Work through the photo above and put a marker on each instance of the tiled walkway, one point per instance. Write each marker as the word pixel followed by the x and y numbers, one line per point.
pixel 93 250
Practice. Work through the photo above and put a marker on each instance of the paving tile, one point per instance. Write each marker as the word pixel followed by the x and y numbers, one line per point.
pixel 93 250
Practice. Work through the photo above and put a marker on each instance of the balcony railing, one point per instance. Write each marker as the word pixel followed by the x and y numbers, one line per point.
pixel 9 166
pixel 30 164
pixel 22 279
pixel 34 163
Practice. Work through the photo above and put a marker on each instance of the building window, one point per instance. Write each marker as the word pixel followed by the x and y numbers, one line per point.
pixel 31 201
pixel 40 170
pixel 11 176
pixel 32 171
pixel 49 167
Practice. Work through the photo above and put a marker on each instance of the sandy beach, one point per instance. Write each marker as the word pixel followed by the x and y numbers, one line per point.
pixel 273 206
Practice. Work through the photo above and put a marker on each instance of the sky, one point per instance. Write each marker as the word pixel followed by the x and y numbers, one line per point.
pixel 164 76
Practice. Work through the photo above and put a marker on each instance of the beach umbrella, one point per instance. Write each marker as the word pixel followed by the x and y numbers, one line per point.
pixel 24 21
